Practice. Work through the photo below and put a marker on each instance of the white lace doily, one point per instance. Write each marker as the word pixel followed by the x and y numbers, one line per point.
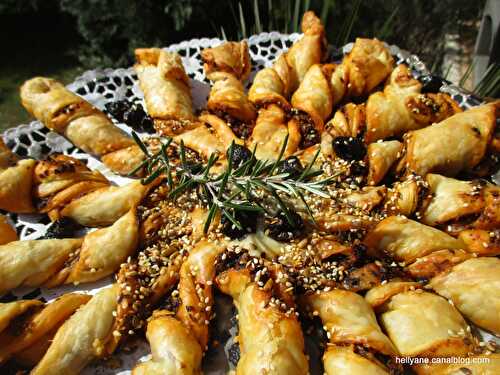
pixel 102 86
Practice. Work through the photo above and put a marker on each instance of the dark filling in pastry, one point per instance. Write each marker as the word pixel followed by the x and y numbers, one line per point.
pixel 310 135
pixel 131 114
pixel 240 129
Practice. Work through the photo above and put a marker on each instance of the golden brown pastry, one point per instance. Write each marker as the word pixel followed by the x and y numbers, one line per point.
pixel 83 337
pixel 306 52
pixel 31 263
pixel 33 327
pixel 457 144
pixel 104 206
pixel 59 179
pixel 422 324
pixel 214 136
pixel 166 90
pixel 10 310
pixel 179 341
pixel 229 58
pixel 381 156
pixel 228 99
pixel 481 242
pixel 52 103
pixel 174 349
pixel 428 266
pixel 473 287
pixel 268 88
pixel 7 233
pixel 407 197
pixel 367 65
pixel 275 85
pixel 55 262
pixel 401 107
pixel 270 336
pixel 15 187
pixel 314 96
pixel 406 240
pixel 270 131
pixel 349 320
pixel 457 204
pixel 66 113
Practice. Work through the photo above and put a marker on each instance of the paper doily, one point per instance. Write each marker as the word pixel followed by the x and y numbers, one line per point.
pixel 102 86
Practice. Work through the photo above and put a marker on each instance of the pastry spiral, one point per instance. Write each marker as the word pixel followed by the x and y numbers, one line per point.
pixel 166 89
pixel 349 321
pixel 61 261
pixel 270 335
pixel 84 125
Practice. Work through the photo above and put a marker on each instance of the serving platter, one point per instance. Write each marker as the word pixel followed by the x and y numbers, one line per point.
pixel 103 86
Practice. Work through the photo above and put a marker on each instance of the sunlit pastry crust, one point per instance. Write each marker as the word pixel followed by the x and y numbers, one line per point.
pixel 481 242
pixel 10 310
pixel 381 156
pixel 366 66
pixel 7 233
pixel 229 58
pixel 401 107
pixel 166 89
pixel 406 240
pixel 379 295
pixel 436 262
pixel 82 337
pixel 269 134
pixel 213 137
pixel 350 320
pixel 479 365
pixel 425 325
pixel 66 113
pixel 268 88
pixel 31 263
pixel 106 205
pixel 451 199
pixel 348 121
pixel 174 349
pixel 270 340
pixel 313 96
pixel 104 250
pixel 52 103
pixel 97 135
pixel 39 324
pixel 228 96
pixel 407 197
pixel 473 287
pixel 307 51
pixel 343 360
pixel 457 144
pixel 15 187
pixel 179 341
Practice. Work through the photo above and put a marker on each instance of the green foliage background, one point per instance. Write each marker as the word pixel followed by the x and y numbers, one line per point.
pixel 61 38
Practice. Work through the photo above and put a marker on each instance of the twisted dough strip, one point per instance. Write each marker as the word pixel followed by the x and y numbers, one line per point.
pixel 438 330
pixel 29 326
pixel 228 65
pixel 48 184
pixel 179 341
pixel 473 287
pixel 83 337
pixel 166 90
pixel 62 261
pixel 84 125
pixel 458 144
pixel 275 85
pixel 349 321
pixel 270 335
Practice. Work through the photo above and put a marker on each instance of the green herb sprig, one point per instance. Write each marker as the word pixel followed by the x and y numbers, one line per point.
pixel 238 187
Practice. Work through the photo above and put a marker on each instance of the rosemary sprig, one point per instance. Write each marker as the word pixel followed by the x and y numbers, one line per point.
pixel 245 187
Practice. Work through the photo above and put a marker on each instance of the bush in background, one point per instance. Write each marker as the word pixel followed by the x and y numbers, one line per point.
pixel 111 29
